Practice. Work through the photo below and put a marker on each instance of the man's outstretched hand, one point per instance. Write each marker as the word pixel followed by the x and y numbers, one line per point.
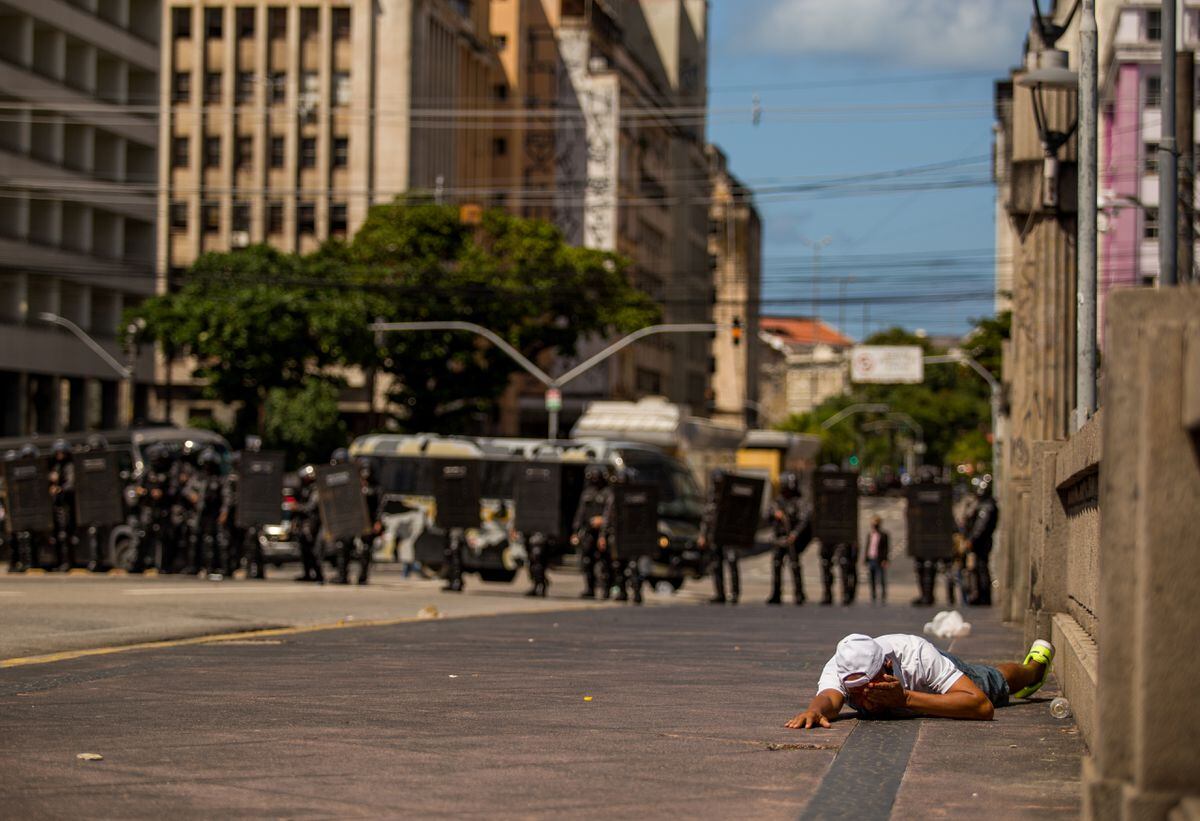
pixel 808 720
pixel 885 694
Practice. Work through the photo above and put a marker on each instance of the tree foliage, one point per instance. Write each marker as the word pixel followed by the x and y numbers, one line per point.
pixel 952 407
pixel 261 325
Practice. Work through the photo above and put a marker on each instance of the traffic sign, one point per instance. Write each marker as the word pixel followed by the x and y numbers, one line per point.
pixel 887 364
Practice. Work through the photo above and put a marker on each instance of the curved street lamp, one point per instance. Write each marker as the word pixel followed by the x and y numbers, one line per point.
pixel 1051 76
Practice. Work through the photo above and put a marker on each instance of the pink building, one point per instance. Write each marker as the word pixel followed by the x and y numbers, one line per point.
pixel 1131 105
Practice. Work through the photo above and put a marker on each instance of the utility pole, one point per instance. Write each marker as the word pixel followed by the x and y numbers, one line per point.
pixel 1185 107
pixel 1085 291
pixel 1168 152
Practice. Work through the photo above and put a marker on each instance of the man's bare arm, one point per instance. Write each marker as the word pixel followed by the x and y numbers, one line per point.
pixel 962 700
pixel 823 709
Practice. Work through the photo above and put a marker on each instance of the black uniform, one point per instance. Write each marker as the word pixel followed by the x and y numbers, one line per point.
pixel 791 519
pixel 62 501
pixel 158 540
pixel 626 574
pixel 205 494
pixel 593 560
pixel 183 516
pixel 720 556
pixel 537 547
pixel 980 534
pixel 307 521
pixel 844 557
pixel 361 547
pixel 235 537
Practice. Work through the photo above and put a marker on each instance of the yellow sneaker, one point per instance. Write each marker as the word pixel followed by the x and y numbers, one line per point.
pixel 1042 652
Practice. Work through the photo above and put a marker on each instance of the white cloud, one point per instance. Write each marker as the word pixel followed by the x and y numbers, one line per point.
pixel 966 34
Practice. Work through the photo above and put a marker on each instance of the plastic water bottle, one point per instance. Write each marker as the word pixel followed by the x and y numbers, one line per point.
pixel 1060 708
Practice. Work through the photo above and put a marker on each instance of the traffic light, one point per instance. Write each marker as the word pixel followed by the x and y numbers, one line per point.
pixel 736 331
pixel 854 461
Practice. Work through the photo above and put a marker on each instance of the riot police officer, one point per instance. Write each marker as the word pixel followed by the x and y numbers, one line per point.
pixel 720 556
pixel 537 548
pixel 360 547
pixel 979 540
pixel 158 537
pixel 626 572
pixel 205 494
pixel 183 512
pixel 233 535
pixel 307 521
pixel 20 557
pixel 791 521
pixel 97 536
pixel 62 502
pixel 587 529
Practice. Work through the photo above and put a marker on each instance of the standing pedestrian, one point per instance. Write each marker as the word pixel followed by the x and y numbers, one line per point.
pixel 979 537
pixel 876 552
pixel 791 520
pixel 62 502
pixel 587 531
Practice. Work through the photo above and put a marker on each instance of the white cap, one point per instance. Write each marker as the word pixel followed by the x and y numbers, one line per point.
pixel 858 659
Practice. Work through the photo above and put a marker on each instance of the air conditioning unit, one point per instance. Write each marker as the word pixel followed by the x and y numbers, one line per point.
pixel 239 239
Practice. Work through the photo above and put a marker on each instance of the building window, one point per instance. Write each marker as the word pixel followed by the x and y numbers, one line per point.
pixel 277 23
pixel 181 87
pixel 179 152
pixel 179 216
pixel 308 152
pixel 310 90
pixel 341 152
pixel 278 152
pixel 213 21
pixel 1150 224
pixel 341 88
pixel 337 219
pixel 212 152
pixel 499 146
pixel 1154 25
pixel 1150 158
pixel 275 218
pixel 181 22
pixel 278 87
pixel 245 21
pixel 241 216
pixel 245 152
pixel 1154 91
pixel 309 23
pixel 212 87
pixel 210 217
pixel 341 23
pixel 306 218
pixel 500 91
pixel 245 86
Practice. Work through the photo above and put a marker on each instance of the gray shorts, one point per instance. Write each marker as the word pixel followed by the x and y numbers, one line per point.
pixel 988 679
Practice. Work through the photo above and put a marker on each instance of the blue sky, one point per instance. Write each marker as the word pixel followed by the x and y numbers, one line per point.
pixel 853 87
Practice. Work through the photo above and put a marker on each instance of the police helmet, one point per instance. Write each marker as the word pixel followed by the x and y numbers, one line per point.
pixel 366 468
pixel 789 484
pixel 984 488
pixel 717 475
pixel 340 456
pixel 61 447
pixel 157 453
pixel 96 442
pixel 29 451
pixel 594 475
pixel 307 473
pixel 210 459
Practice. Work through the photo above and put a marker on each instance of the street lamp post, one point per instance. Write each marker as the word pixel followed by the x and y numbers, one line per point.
pixel 553 384
pixel 126 372
pixel 1086 281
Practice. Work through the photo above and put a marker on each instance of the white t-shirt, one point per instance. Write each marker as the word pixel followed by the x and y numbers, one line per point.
pixel 923 668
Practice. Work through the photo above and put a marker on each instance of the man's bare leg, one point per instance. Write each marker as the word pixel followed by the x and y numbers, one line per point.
pixel 1020 676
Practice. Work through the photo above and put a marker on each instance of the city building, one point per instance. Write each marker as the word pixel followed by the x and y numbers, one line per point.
pixel 78 87
pixel 735 244
pixel 607 100
pixel 284 122
pixel 1130 126
pixel 817 359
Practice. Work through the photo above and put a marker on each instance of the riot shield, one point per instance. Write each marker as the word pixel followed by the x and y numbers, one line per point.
pixel 537 498
pixel 98 490
pixel 343 508
pixel 931 525
pixel 27 488
pixel 636 526
pixel 456 491
pixel 835 507
pixel 260 489
pixel 739 508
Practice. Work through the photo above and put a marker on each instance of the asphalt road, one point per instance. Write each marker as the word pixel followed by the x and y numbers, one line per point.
pixel 491 717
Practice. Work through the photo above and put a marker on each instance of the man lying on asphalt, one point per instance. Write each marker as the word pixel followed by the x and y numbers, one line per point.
pixel 901 675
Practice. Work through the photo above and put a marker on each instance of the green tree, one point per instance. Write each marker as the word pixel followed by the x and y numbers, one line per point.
pixel 304 422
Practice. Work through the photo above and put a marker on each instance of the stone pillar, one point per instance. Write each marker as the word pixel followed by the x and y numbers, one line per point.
pixel 1143 763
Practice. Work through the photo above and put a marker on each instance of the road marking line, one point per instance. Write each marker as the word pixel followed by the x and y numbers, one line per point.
pixel 190 591
pixel 264 633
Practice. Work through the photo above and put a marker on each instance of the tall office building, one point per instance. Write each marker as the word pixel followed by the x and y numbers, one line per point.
pixel 606 100
pixel 285 121
pixel 78 87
